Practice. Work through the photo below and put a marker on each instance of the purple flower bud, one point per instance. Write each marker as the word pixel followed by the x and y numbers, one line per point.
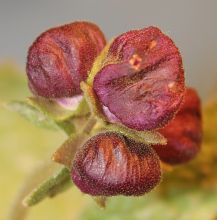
pixel 110 164
pixel 142 79
pixel 183 133
pixel 61 57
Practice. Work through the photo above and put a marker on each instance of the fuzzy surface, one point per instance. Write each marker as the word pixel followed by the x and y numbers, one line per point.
pixel 60 58
pixel 142 79
pixel 183 133
pixel 110 164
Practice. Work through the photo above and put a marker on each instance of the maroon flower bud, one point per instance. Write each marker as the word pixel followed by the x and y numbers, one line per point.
pixel 61 57
pixel 110 164
pixel 183 133
pixel 142 80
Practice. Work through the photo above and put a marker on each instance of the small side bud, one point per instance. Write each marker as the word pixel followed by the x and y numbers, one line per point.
pixel 183 133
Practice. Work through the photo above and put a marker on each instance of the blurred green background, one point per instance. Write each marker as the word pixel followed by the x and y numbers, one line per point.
pixel 188 193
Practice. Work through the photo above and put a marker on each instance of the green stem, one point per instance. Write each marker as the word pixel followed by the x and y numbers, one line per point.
pixel 48 187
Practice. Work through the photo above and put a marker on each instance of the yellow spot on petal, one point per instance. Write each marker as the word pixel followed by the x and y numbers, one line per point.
pixel 135 61
pixel 152 44
pixel 172 87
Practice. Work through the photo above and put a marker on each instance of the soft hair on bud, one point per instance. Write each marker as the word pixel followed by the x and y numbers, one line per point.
pixel 141 82
pixel 60 58
pixel 183 133
pixel 110 164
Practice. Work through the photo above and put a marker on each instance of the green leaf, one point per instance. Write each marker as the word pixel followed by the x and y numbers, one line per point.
pixel 54 110
pixel 51 187
pixel 31 114
pixel 146 137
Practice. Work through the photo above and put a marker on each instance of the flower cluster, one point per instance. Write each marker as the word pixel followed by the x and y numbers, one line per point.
pixel 137 80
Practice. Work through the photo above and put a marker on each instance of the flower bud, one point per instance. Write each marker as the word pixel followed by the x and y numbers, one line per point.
pixel 141 81
pixel 183 133
pixel 111 164
pixel 61 57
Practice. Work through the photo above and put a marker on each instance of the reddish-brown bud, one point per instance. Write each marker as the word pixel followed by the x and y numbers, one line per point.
pixel 61 57
pixel 183 133
pixel 110 164
pixel 142 79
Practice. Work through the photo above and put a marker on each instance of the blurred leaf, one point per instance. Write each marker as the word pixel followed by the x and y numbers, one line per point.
pixel 146 137
pixel 31 114
pixel 54 185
